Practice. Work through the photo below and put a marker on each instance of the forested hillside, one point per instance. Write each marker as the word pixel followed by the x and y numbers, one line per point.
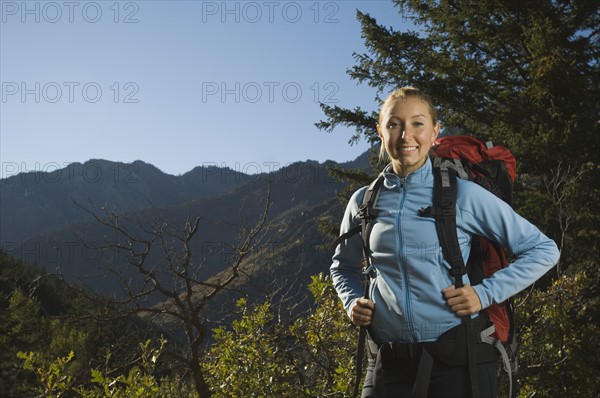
pixel 175 271
pixel 42 315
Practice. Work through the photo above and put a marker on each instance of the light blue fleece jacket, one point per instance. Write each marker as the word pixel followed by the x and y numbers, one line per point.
pixel 411 271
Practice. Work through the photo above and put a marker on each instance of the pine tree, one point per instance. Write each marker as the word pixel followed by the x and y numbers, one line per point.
pixel 521 72
pixel 525 74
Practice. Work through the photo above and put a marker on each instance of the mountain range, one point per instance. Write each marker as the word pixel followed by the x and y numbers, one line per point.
pixel 58 219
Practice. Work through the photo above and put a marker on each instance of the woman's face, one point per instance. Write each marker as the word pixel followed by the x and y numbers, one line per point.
pixel 407 132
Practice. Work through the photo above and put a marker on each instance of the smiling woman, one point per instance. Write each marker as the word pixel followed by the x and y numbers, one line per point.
pixel 413 307
pixel 407 128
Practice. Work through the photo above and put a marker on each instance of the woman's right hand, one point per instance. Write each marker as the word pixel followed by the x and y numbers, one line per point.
pixel 362 312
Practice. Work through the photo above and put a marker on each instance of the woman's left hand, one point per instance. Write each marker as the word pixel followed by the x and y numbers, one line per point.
pixel 463 301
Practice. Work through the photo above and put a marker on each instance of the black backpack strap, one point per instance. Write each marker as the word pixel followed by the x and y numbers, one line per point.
pixel 367 214
pixel 346 236
pixel 444 211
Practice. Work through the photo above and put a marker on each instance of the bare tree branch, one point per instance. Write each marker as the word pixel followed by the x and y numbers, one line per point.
pixel 159 276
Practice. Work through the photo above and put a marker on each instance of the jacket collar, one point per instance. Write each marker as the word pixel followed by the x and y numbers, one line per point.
pixel 421 175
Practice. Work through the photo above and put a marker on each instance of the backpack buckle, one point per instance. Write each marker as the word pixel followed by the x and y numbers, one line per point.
pixel 426 212
pixel 366 212
pixel 437 211
pixel 370 271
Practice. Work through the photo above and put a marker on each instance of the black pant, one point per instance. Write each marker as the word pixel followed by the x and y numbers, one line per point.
pixel 446 381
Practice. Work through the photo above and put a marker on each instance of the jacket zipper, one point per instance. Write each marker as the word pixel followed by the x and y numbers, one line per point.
pixel 409 314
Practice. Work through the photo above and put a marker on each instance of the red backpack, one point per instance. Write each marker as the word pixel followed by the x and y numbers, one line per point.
pixel 495 169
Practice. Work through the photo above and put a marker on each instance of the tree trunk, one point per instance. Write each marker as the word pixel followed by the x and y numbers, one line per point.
pixel 199 381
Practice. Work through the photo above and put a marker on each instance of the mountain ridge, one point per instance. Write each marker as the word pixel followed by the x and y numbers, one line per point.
pixel 227 200
pixel 41 201
pixel 84 248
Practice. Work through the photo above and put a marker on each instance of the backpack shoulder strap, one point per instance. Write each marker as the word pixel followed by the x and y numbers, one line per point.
pixel 444 212
pixel 346 236
pixel 366 213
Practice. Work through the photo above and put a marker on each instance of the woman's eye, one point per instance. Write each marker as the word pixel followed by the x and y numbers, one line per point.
pixel 393 125
pixel 417 124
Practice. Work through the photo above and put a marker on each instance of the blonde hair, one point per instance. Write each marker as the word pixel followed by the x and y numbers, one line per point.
pixel 403 94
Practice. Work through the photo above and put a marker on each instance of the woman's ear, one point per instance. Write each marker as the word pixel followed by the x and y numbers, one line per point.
pixel 436 131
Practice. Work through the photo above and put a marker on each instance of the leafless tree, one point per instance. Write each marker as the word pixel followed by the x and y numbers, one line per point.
pixel 160 275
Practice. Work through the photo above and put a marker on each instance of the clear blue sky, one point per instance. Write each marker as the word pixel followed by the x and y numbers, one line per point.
pixel 178 83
